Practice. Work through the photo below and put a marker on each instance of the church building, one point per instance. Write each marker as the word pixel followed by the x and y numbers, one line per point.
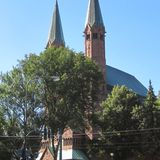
pixel 94 33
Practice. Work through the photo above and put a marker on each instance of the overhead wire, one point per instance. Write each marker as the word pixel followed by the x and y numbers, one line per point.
pixel 132 132
pixel 77 136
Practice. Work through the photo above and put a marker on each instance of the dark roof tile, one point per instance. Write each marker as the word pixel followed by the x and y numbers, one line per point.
pixel 118 77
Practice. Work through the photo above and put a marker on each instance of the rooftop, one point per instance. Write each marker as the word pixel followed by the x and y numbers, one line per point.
pixel 118 77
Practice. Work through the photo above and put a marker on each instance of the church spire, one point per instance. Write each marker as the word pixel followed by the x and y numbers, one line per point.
pixel 56 32
pixel 94 16
pixel 95 36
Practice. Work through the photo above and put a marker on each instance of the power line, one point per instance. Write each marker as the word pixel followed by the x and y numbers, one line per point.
pixel 94 133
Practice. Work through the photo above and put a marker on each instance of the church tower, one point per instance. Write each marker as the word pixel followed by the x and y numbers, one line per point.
pixel 56 38
pixel 95 36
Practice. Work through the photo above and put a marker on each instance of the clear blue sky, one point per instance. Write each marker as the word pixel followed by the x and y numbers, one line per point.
pixel 132 39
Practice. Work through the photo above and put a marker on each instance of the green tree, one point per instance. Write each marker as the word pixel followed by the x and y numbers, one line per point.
pixel 21 107
pixel 70 101
pixel 149 120
pixel 158 99
pixel 2 121
pixel 150 108
pixel 4 153
pixel 119 122
pixel 158 94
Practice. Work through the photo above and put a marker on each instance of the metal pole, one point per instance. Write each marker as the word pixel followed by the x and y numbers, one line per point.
pixel 24 156
pixel 24 146
pixel 60 144
pixel 25 120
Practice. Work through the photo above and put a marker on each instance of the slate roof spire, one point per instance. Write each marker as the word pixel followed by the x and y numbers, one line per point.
pixel 94 16
pixel 56 37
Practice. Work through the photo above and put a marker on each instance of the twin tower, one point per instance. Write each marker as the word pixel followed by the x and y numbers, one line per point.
pixel 94 34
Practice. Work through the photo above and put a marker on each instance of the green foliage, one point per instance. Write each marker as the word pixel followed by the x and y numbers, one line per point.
pixel 158 99
pixel 118 109
pixel 149 116
pixel 4 151
pixel 130 125
pixel 150 109
pixel 19 100
pixel 2 120
pixel 33 98
pixel 158 102
pixel 118 116
pixel 20 105
pixel 68 100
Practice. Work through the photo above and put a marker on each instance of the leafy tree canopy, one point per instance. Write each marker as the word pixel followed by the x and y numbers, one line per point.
pixel 131 124
pixel 118 109
pixel 69 100
pixel 58 88
pixel 117 118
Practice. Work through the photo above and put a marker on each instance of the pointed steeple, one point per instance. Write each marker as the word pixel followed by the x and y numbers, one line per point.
pixel 95 37
pixel 56 37
pixel 94 16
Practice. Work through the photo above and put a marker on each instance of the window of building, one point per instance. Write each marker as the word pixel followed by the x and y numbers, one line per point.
pixel 95 36
pixel 88 37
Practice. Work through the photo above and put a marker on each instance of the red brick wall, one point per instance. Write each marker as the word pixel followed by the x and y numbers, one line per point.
pixel 95 48
pixel 47 155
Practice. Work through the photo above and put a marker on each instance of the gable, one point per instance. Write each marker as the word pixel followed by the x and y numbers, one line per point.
pixel 45 154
